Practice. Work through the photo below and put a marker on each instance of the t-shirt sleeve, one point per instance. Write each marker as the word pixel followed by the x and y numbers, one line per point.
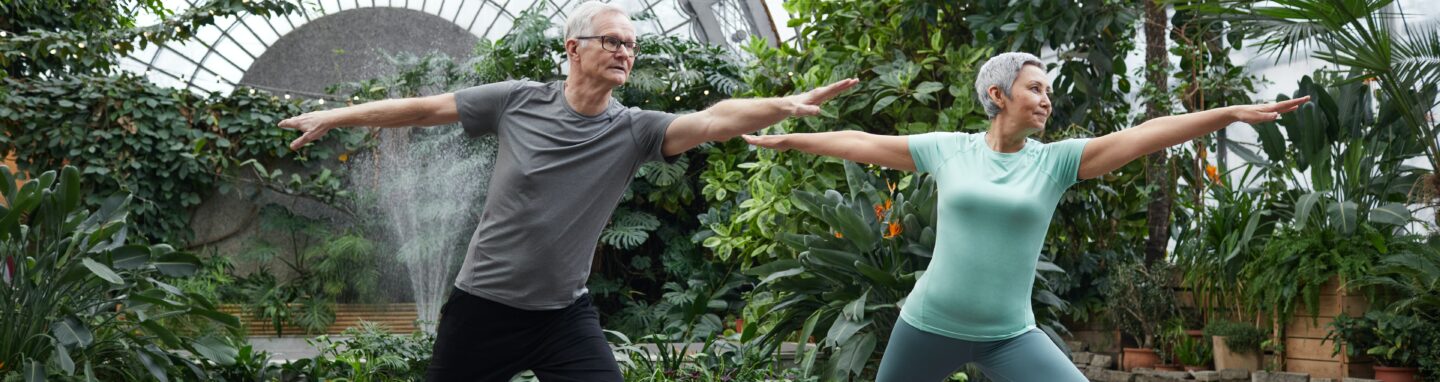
pixel 927 150
pixel 480 107
pixel 1064 158
pixel 649 131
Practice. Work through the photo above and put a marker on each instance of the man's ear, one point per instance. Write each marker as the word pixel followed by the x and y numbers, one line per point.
pixel 996 96
pixel 572 49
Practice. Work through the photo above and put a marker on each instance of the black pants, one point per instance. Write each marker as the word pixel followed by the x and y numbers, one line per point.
pixel 479 340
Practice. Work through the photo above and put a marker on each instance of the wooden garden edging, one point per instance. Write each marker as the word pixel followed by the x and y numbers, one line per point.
pixel 398 318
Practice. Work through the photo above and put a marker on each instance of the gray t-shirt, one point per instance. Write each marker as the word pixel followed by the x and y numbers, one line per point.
pixel 558 176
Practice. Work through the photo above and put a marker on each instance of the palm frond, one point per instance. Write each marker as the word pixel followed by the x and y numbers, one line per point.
pixel 1417 54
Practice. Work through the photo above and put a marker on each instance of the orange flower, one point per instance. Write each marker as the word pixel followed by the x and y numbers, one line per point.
pixel 1213 173
pixel 893 230
pixel 344 157
pixel 881 209
pixel 838 235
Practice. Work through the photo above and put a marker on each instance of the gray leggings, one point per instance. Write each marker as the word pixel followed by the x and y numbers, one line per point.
pixel 913 355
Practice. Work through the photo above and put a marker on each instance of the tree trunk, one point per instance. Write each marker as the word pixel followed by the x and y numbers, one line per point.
pixel 1157 173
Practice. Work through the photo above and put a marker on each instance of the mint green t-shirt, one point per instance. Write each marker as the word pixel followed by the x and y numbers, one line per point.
pixel 994 211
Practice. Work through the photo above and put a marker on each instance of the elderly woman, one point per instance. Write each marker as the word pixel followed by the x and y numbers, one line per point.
pixel 998 191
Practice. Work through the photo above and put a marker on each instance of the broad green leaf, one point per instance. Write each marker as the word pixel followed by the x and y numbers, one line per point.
pixel 34 371
pixel 178 264
pixel 216 350
pixel 70 331
pixel 1391 213
pixel 62 357
pixel 1342 215
pixel 1303 206
pixel 154 368
pixel 133 256
pixel 883 103
pixel 103 271
pixel 853 355
pixel 855 310
pixel 843 328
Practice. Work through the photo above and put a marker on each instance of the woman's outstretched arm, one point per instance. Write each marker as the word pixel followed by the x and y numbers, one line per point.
pixel 884 150
pixel 1109 152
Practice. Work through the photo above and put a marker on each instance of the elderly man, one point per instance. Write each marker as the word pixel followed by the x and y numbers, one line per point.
pixel 567 152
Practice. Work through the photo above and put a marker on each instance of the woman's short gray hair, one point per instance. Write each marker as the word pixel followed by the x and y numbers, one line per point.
pixel 1001 71
pixel 582 18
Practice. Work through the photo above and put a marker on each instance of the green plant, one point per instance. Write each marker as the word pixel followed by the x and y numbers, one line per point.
pixel 1409 285
pixel 1142 302
pixel 1238 336
pixel 1395 340
pixel 1361 39
pixel 721 358
pixel 59 37
pixel 1294 264
pixel 82 297
pixel 1230 229
pixel 370 353
pixel 168 147
pixel 686 314
pixel 1192 351
pixel 1354 210
pixel 1412 279
pixel 324 266
pixel 210 281
pixel 256 365
pixel 817 291
pixel 66 104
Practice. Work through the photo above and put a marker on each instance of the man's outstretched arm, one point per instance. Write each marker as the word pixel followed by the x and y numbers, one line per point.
pixel 404 112
pixel 731 118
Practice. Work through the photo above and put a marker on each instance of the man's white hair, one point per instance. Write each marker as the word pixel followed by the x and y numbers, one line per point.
pixel 1001 71
pixel 582 18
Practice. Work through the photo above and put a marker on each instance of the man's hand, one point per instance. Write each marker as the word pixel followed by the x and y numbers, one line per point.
pixel 808 103
pixel 311 127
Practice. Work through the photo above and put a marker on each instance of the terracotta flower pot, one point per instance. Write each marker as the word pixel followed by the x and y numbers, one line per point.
pixel 1396 374
pixel 1138 357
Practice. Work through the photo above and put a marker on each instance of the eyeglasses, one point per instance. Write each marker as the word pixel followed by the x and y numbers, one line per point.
pixel 612 44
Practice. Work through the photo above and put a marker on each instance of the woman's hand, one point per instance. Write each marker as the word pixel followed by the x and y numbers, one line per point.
pixel 773 142
pixel 884 150
pixel 1109 152
pixel 1260 113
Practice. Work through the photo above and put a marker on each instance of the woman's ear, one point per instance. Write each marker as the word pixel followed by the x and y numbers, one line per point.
pixel 996 96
